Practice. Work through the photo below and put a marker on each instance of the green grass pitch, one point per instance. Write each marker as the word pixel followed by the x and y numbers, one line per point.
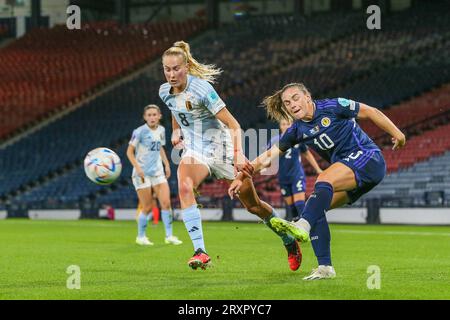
pixel 249 262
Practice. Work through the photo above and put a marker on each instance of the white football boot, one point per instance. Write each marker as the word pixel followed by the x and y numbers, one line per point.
pixel 322 272
pixel 173 240
pixel 143 241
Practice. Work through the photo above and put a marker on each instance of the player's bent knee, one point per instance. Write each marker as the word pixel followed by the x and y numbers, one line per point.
pixel 165 206
pixel 186 188
pixel 146 209
pixel 324 177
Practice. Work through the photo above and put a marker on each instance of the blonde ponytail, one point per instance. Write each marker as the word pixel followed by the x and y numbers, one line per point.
pixel 275 107
pixel 208 72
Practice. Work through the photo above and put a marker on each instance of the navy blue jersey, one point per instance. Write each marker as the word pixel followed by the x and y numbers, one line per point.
pixel 333 132
pixel 290 167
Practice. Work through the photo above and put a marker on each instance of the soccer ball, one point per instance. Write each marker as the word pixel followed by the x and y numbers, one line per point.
pixel 102 166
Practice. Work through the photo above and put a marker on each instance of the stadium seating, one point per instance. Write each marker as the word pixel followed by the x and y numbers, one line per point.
pixel 49 69
pixel 413 112
pixel 413 183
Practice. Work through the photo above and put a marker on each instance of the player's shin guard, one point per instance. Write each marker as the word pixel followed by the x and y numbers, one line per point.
pixel 320 241
pixel 142 224
pixel 293 211
pixel 193 222
pixel 318 203
pixel 287 239
pixel 299 207
pixel 166 216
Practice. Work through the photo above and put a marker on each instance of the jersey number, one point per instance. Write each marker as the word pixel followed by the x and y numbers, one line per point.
pixel 325 142
pixel 155 146
pixel 355 156
pixel 288 154
pixel 183 119
pixel 299 186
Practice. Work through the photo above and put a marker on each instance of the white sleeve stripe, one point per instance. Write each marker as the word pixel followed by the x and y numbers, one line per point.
pixel 200 90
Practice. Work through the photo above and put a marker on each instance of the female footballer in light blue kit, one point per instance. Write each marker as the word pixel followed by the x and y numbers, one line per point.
pixel 211 139
pixel 327 126
pixel 146 154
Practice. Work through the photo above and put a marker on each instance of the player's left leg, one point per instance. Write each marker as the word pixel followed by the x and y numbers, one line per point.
pixel 313 224
pixel 146 204
pixel 162 191
pixel 299 204
pixel 251 201
pixel 349 182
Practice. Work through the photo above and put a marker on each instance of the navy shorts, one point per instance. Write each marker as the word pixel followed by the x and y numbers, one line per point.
pixel 289 189
pixel 369 168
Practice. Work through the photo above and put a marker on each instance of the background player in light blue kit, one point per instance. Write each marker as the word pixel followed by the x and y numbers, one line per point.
pixel 147 155
pixel 291 176
pixel 357 165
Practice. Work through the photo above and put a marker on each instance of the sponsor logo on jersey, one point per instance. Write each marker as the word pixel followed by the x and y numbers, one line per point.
pixel 305 136
pixel 314 130
pixel 325 122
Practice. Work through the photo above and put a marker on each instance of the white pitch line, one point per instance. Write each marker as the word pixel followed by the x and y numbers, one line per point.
pixel 394 233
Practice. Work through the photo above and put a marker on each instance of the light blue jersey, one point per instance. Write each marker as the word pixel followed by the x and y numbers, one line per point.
pixel 194 110
pixel 148 143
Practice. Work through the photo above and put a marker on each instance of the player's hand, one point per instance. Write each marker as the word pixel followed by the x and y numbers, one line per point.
pixel 140 172
pixel 168 172
pixel 398 142
pixel 177 139
pixel 233 190
pixel 242 164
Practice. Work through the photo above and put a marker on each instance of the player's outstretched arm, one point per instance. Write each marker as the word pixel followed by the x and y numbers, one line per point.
pixel 236 137
pixel 132 158
pixel 165 161
pixel 176 137
pixel 384 123
pixel 261 162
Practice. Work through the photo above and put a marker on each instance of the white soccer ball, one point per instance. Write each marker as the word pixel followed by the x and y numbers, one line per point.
pixel 102 166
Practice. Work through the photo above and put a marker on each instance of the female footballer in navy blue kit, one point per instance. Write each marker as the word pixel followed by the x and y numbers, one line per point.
pixel 357 165
pixel 291 176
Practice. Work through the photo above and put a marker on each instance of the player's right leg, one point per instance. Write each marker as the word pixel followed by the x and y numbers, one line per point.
pixel 251 201
pixel 191 173
pixel 144 193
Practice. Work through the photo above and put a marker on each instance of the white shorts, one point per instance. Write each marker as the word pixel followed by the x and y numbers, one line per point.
pixel 147 181
pixel 217 168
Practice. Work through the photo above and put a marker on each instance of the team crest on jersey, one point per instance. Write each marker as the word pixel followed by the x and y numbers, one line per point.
pixel 188 105
pixel 314 130
pixel 325 122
